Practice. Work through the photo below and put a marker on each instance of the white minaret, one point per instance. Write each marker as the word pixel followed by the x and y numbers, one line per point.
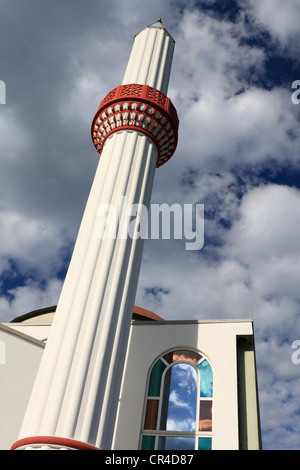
pixel 75 396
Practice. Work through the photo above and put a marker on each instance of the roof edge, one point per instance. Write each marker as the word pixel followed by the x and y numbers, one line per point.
pixel 137 311
pixel 12 331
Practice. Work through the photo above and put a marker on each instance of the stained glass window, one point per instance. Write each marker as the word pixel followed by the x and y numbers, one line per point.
pixel 206 379
pixel 179 407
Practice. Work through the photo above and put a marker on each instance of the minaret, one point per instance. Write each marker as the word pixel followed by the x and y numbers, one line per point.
pixel 75 396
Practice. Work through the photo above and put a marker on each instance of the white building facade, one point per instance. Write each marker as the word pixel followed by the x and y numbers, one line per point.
pixel 186 385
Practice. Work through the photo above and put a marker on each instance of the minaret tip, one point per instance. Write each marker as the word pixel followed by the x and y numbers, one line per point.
pixel 158 23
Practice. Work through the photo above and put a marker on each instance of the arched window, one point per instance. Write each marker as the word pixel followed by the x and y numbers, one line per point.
pixel 179 404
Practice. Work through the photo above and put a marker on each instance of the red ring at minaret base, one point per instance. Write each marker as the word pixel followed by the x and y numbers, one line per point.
pixel 52 440
pixel 140 108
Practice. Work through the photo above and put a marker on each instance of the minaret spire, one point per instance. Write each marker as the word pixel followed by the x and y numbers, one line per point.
pixel 158 23
pixel 74 400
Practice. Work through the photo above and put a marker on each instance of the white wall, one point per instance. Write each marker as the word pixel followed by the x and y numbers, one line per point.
pixel 20 356
pixel 216 340
pixel 17 374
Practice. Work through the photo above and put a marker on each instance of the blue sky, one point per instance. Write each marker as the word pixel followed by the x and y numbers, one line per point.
pixel 182 399
pixel 238 154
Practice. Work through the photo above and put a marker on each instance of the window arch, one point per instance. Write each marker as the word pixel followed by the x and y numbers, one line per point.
pixel 179 403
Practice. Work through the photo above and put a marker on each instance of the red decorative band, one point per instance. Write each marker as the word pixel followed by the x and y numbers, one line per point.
pixel 52 441
pixel 141 108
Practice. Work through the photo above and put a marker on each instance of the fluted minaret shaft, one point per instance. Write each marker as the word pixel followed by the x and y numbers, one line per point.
pixel 75 395
pixel 151 58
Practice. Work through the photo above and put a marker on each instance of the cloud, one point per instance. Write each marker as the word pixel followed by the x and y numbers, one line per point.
pixel 225 117
pixel 35 243
pixel 269 213
pixel 278 17
pixel 255 269
pixel 31 296
pixel 182 398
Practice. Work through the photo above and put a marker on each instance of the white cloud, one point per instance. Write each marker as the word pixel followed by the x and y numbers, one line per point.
pixel 35 244
pixel 279 17
pixel 255 270
pixel 29 297
pixel 225 118
pixel 16 135
pixel 269 225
